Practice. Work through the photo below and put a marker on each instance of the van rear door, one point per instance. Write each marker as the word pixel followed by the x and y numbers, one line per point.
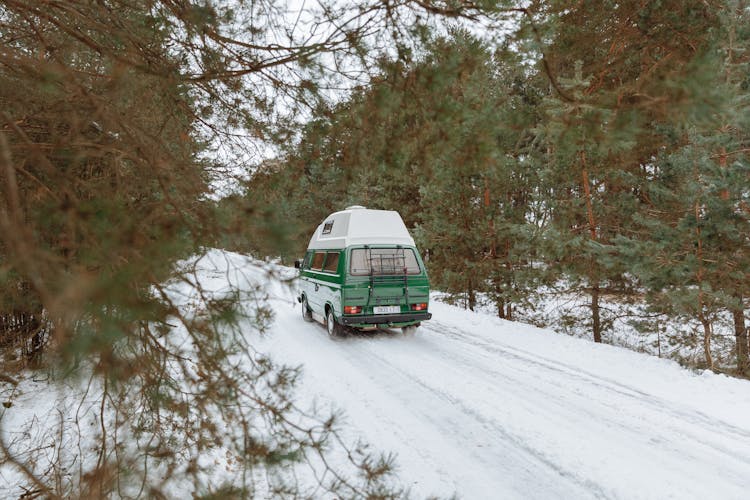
pixel 394 276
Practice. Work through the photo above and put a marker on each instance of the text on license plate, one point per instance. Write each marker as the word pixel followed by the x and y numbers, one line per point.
pixel 386 309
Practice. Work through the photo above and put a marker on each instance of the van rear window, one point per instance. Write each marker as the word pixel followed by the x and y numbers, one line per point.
pixel 383 261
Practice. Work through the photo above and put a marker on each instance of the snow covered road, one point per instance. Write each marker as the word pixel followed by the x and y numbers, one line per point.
pixel 480 407
pixel 492 409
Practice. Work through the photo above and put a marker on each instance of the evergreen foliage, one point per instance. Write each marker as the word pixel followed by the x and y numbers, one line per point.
pixel 614 167
pixel 601 147
pixel 109 113
pixel 441 138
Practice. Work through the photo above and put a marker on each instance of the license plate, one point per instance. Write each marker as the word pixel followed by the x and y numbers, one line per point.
pixel 386 309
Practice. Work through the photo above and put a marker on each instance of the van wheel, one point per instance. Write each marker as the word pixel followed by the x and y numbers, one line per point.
pixel 306 312
pixel 334 329
pixel 409 330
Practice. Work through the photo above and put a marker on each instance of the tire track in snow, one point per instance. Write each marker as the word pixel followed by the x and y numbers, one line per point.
pixel 539 463
pixel 693 416
pixel 650 434
pixel 332 372
pixel 679 431
pixel 494 388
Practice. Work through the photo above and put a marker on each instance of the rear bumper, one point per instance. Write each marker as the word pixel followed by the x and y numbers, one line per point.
pixel 385 319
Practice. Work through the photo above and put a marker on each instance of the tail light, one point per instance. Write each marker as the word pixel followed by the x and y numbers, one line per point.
pixel 419 307
pixel 352 309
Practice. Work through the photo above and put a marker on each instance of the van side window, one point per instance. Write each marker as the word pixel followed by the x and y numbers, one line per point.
pixel 332 262
pixel 306 262
pixel 317 261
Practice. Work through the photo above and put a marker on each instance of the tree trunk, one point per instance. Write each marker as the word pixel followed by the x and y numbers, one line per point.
pixel 740 333
pixel 596 320
pixel 504 307
pixel 491 220
pixel 597 325
pixel 706 340
pixel 500 304
pixel 699 278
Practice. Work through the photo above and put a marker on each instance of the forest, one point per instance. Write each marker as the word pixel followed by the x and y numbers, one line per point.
pixel 615 169
pixel 595 149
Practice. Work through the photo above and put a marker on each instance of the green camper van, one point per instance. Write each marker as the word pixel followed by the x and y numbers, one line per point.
pixel 363 271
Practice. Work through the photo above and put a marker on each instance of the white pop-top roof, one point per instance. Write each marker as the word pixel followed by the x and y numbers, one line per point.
pixel 360 226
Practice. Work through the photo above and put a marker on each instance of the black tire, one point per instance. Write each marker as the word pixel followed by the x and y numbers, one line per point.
pixel 335 330
pixel 306 312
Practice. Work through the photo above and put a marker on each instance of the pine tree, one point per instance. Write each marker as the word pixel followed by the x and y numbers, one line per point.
pixel 108 112
pixel 733 155
pixel 697 224
pixel 617 72
pixel 442 140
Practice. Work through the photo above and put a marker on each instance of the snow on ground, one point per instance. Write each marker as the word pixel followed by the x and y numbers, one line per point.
pixel 627 321
pixel 485 408
pixel 488 408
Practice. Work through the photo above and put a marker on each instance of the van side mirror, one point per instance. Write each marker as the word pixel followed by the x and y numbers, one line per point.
pixel 298 264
